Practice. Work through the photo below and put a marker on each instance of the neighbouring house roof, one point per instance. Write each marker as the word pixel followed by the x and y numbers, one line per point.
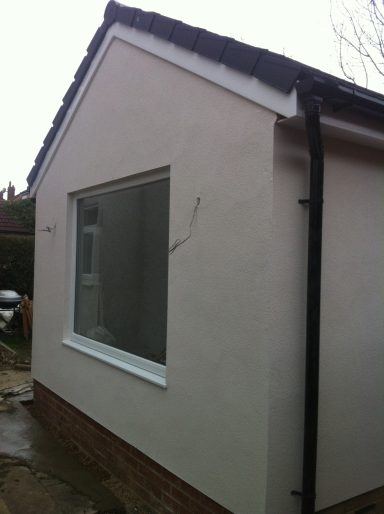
pixel 277 71
pixel 9 225
pixel 23 195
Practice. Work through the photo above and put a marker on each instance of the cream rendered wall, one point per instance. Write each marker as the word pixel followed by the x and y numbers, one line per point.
pixel 286 318
pixel 210 425
pixel 351 413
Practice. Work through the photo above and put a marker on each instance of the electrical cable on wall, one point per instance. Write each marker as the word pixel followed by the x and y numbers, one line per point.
pixel 48 228
pixel 179 242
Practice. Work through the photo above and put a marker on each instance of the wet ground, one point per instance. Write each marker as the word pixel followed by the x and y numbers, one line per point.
pixel 38 476
pixel 25 491
pixel 38 473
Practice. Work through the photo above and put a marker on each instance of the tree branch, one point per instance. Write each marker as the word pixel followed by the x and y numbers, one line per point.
pixel 360 37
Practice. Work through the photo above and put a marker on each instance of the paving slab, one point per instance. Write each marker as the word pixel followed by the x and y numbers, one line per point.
pixel 37 474
pixel 25 493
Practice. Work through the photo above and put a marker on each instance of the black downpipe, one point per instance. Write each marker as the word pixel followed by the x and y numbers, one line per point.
pixel 312 108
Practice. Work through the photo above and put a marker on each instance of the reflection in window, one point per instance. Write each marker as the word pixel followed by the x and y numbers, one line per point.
pixel 122 269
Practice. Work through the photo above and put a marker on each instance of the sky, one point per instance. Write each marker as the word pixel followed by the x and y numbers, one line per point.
pixel 44 41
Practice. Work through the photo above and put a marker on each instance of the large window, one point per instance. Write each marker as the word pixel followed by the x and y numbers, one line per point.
pixel 122 270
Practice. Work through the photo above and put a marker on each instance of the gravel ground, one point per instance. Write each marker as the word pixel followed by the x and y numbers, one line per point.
pixel 131 503
pixel 13 377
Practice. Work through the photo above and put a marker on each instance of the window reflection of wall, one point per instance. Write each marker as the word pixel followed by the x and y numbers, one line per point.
pixel 121 294
pixel 88 279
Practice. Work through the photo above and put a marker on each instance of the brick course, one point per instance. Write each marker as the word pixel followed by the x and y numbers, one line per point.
pixel 161 490
pixel 371 502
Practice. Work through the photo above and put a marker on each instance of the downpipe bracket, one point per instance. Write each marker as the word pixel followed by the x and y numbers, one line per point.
pixel 299 493
pixel 306 202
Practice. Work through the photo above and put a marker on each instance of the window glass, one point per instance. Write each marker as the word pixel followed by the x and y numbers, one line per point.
pixel 122 269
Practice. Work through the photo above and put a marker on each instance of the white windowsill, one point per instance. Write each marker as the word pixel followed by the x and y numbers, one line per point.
pixel 122 364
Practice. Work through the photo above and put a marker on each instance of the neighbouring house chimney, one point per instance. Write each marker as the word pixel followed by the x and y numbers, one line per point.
pixel 11 192
pixel 1 193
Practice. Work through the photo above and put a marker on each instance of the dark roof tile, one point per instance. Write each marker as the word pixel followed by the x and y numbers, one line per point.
pixel 277 71
pixel 185 35
pixel 126 14
pixel 97 39
pixel 241 57
pixel 143 20
pixel 163 26
pixel 32 175
pixel 110 12
pixel 82 69
pixel 40 156
pixel 60 115
pixel 49 137
pixel 70 94
pixel 210 45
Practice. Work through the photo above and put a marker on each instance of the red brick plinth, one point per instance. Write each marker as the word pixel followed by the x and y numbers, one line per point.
pixel 161 490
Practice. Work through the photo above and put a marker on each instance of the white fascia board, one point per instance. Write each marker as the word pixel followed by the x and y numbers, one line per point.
pixel 96 61
pixel 244 85
pixel 251 88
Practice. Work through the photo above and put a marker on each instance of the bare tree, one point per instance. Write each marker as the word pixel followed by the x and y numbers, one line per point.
pixel 359 29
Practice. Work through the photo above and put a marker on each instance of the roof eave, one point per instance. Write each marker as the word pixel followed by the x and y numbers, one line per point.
pixel 278 72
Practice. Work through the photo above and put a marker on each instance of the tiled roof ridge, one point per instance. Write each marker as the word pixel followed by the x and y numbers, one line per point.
pixel 243 57
pixel 274 69
pixel 235 54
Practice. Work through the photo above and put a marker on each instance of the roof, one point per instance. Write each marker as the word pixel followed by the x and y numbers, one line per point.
pixel 277 71
pixel 9 225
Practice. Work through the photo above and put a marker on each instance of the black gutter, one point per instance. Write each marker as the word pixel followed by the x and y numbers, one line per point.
pixel 312 108
pixel 341 94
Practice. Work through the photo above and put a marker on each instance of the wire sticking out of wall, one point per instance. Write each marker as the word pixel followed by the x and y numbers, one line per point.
pixel 48 229
pixel 179 242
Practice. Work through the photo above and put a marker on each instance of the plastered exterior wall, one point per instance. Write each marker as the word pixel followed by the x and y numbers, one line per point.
pixel 351 415
pixel 210 425
pixel 286 319
pixel 351 410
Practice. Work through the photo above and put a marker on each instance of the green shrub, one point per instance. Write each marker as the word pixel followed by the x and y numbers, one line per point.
pixel 23 211
pixel 16 263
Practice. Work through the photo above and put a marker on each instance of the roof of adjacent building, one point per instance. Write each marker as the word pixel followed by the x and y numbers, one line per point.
pixel 277 71
pixel 8 225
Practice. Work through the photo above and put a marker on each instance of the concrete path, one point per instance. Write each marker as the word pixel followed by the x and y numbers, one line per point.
pixel 37 475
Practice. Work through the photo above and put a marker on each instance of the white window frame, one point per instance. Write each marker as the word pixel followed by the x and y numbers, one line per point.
pixel 143 368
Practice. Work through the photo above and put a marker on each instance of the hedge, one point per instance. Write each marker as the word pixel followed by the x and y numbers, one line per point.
pixel 23 211
pixel 16 263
